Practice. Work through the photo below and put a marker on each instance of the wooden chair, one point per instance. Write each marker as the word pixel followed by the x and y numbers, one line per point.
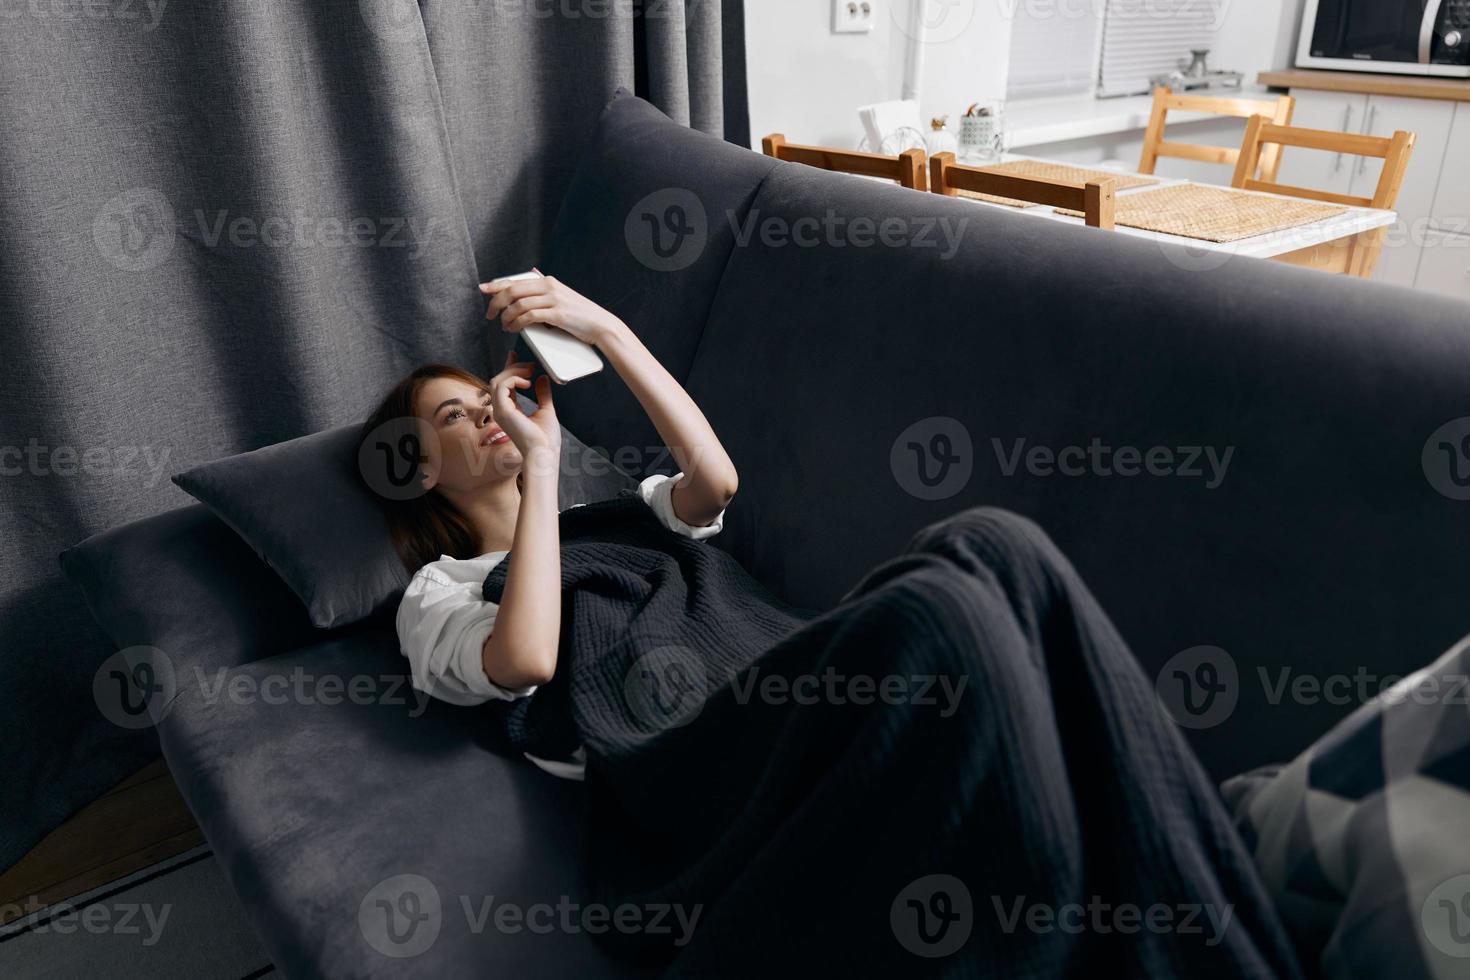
pixel 1094 200
pixel 1154 146
pixel 907 168
pixel 1357 254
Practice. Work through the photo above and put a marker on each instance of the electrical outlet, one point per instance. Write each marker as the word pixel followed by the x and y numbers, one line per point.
pixel 853 16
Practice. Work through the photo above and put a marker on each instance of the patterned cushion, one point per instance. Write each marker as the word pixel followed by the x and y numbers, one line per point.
pixel 1364 839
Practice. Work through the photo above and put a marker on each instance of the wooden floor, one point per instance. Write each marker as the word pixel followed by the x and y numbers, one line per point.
pixel 137 823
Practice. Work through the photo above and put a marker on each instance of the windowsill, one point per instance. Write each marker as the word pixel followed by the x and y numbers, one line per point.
pixel 1032 122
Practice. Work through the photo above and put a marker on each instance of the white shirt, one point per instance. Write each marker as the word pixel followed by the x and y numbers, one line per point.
pixel 444 620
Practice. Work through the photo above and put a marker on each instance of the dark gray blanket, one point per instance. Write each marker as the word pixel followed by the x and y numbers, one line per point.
pixel 960 770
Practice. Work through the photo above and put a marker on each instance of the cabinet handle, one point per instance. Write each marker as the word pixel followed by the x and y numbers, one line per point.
pixel 1347 120
pixel 1426 30
pixel 1367 131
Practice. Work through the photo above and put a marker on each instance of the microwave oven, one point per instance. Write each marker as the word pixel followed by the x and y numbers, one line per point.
pixel 1407 37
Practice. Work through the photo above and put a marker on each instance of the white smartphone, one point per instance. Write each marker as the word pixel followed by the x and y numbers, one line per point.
pixel 564 357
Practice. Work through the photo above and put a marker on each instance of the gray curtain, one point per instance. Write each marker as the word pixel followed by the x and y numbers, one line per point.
pixel 233 222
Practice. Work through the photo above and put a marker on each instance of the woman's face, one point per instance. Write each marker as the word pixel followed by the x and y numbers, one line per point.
pixel 466 450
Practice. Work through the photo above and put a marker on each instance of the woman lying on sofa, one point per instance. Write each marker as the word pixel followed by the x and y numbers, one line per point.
pixel 958 770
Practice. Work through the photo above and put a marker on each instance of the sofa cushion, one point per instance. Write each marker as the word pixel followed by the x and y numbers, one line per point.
pixel 645 230
pixel 182 582
pixel 339 800
pixel 984 359
pixel 306 509
pixel 302 507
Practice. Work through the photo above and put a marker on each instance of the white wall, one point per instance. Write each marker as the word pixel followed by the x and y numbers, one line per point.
pixel 965 57
pixel 1257 36
pixel 807 82
pixel 1254 36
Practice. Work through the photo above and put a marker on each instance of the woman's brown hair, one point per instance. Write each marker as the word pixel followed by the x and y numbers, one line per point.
pixel 427 525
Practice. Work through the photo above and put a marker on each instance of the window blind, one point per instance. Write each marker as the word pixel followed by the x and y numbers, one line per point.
pixel 1053 46
pixel 1144 38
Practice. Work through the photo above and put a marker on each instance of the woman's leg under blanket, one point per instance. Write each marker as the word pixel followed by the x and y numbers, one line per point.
pixel 950 774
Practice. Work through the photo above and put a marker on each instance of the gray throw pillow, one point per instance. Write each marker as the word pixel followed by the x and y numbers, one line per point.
pixel 303 507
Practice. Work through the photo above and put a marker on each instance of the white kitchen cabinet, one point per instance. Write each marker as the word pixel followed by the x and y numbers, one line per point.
pixel 1444 266
pixel 1434 198
pixel 1430 121
pixel 1340 111
pixel 1451 210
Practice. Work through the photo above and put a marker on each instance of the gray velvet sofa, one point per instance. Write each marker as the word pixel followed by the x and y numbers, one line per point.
pixel 1322 548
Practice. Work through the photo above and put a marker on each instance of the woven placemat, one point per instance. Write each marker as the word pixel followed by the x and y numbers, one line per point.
pixel 1069 174
pixel 1213 214
pixel 992 199
pixel 1053 171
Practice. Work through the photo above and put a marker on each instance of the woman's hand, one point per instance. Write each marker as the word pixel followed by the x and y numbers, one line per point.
pixel 545 300
pixel 532 434
pixel 514 367
pixel 709 480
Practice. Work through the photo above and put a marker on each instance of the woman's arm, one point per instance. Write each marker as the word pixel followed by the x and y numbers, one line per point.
pixel 710 480
pixel 521 650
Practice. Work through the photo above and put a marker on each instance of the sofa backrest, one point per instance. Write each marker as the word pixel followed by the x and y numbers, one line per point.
pixel 1277 419
pixel 1232 456
pixel 635 233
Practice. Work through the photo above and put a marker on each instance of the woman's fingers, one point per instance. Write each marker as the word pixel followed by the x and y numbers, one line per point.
pixel 526 429
pixel 504 401
pixel 532 317
pixel 505 294
pixel 499 401
pixel 514 366
pixel 545 416
pixel 546 404
pixel 522 306
pixel 496 285
pixel 509 383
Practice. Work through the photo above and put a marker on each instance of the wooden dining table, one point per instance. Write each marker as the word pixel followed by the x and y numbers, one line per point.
pixel 1322 244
